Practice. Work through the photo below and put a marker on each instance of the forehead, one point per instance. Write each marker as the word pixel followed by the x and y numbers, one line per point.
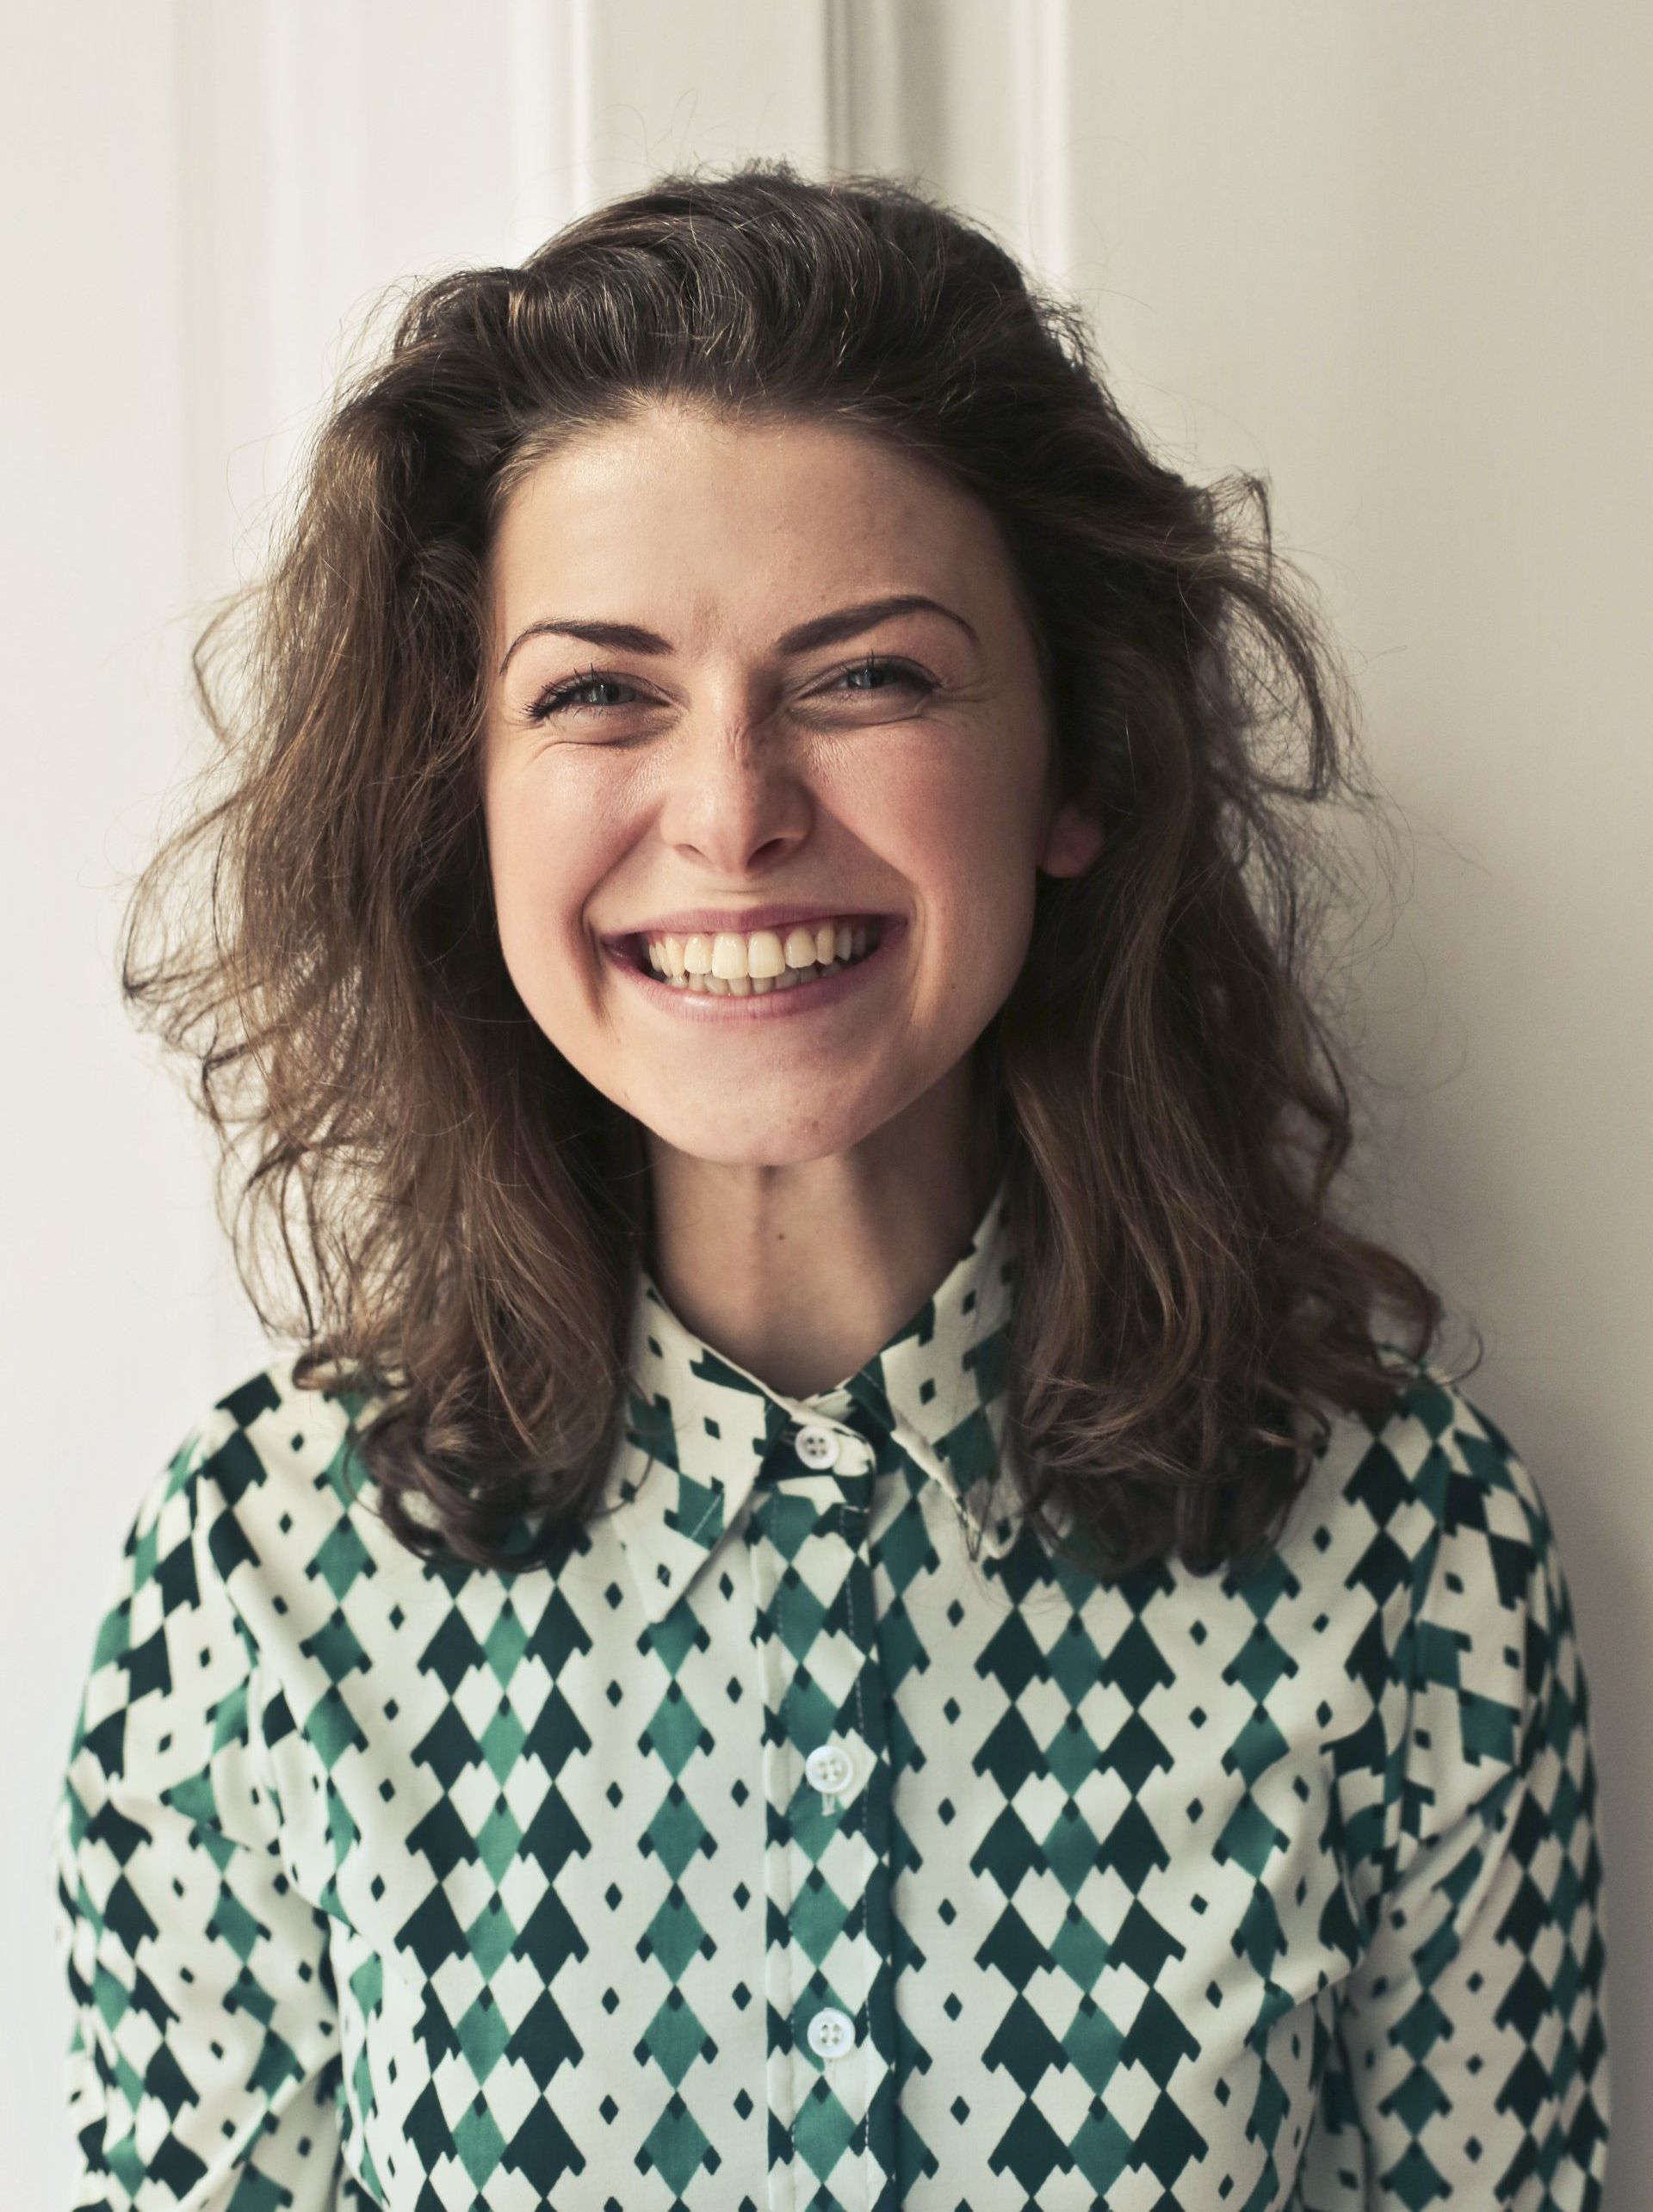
pixel 716 516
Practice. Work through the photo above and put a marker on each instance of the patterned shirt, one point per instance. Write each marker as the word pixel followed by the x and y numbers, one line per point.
pixel 763 1849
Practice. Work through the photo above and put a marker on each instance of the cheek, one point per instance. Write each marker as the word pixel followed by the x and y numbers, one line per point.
pixel 521 891
pixel 986 934
pixel 969 848
pixel 542 877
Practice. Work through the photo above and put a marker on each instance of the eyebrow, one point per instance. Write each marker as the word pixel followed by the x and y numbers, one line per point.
pixel 822 630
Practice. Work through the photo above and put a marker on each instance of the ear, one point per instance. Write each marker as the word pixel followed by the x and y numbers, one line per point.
pixel 1072 841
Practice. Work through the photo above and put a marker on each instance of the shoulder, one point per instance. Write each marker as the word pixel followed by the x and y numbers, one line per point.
pixel 1427 1525
pixel 263 1486
pixel 1434 1470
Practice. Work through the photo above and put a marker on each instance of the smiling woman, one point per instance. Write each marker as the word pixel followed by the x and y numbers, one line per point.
pixel 738 761
pixel 856 1593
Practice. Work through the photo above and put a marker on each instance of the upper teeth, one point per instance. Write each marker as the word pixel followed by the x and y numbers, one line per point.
pixel 765 953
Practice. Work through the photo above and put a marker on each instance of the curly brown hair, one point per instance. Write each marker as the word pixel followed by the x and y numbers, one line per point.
pixel 1161 1082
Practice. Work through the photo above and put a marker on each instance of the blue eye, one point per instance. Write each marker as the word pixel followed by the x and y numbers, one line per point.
pixel 563 698
pixel 906 675
pixel 554 700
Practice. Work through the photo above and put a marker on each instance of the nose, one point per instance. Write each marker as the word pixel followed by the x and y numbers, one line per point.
pixel 736 800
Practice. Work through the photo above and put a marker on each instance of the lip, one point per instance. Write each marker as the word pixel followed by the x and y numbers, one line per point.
pixel 773 1006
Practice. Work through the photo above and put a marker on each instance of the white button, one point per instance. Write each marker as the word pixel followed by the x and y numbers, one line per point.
pixel 828 1768
pixel 831 2032
pixel 818 1447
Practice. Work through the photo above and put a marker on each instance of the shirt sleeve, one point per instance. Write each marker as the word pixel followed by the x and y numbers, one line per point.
pixel 1470 2064
pixel 201 2068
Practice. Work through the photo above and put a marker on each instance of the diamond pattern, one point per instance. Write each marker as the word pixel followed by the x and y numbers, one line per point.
pixel 382 1883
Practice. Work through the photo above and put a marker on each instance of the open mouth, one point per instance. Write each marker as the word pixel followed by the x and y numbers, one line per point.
pixel 852 944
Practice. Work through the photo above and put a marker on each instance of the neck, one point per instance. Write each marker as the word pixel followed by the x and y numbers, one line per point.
pixel 799 1274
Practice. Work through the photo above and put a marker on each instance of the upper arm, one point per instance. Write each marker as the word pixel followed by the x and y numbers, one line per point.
pixel 1472 2058
pixel 203 2058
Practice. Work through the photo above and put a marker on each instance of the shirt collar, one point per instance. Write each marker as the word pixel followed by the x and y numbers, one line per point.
pixel 700 1428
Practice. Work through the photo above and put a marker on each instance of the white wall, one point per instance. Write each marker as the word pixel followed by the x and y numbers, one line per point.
pixel 1393 253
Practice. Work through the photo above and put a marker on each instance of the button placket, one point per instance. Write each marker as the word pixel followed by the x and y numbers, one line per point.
pixel 815 1614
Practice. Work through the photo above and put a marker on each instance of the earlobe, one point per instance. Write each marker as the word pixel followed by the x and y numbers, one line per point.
pixel 1072 842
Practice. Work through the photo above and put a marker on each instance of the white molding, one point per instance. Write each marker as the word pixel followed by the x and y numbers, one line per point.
pixel 551 92
pixel 1042 64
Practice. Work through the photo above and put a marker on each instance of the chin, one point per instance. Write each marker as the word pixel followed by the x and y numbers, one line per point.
pixel 761 1143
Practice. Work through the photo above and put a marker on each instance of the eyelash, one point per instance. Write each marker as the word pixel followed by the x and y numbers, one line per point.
pixel 554 702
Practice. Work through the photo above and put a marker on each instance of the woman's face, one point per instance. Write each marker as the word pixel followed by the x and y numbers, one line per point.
pixel 687 737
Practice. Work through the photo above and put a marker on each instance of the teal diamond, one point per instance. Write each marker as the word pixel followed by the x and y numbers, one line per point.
pixel 818 1916
pixel 675 2039
pixel 675 2147
pixel 673 1731
pixel 677 1832
pixel 498 1839
pixel 674 1935
pixel 1070 1849
pixel 490 1937
pixel 1101 2150
pixel 342 1557
pixel 904 1549
pixel 1093 2044
pixel 1071 1755
pixel 502 1739
pixel 823 2130
pixel 1080 1950
pixel 479 2141
pixel 505 1645
pixel 811 1715
pixel 787 1521
pixel 1074 1663
pixel 483 2035
pixel 798 1615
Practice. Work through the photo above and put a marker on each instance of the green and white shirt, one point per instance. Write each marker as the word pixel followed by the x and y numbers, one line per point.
pixel 764 1850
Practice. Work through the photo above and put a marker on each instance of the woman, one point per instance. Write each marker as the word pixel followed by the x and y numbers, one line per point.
pixel 856 1596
